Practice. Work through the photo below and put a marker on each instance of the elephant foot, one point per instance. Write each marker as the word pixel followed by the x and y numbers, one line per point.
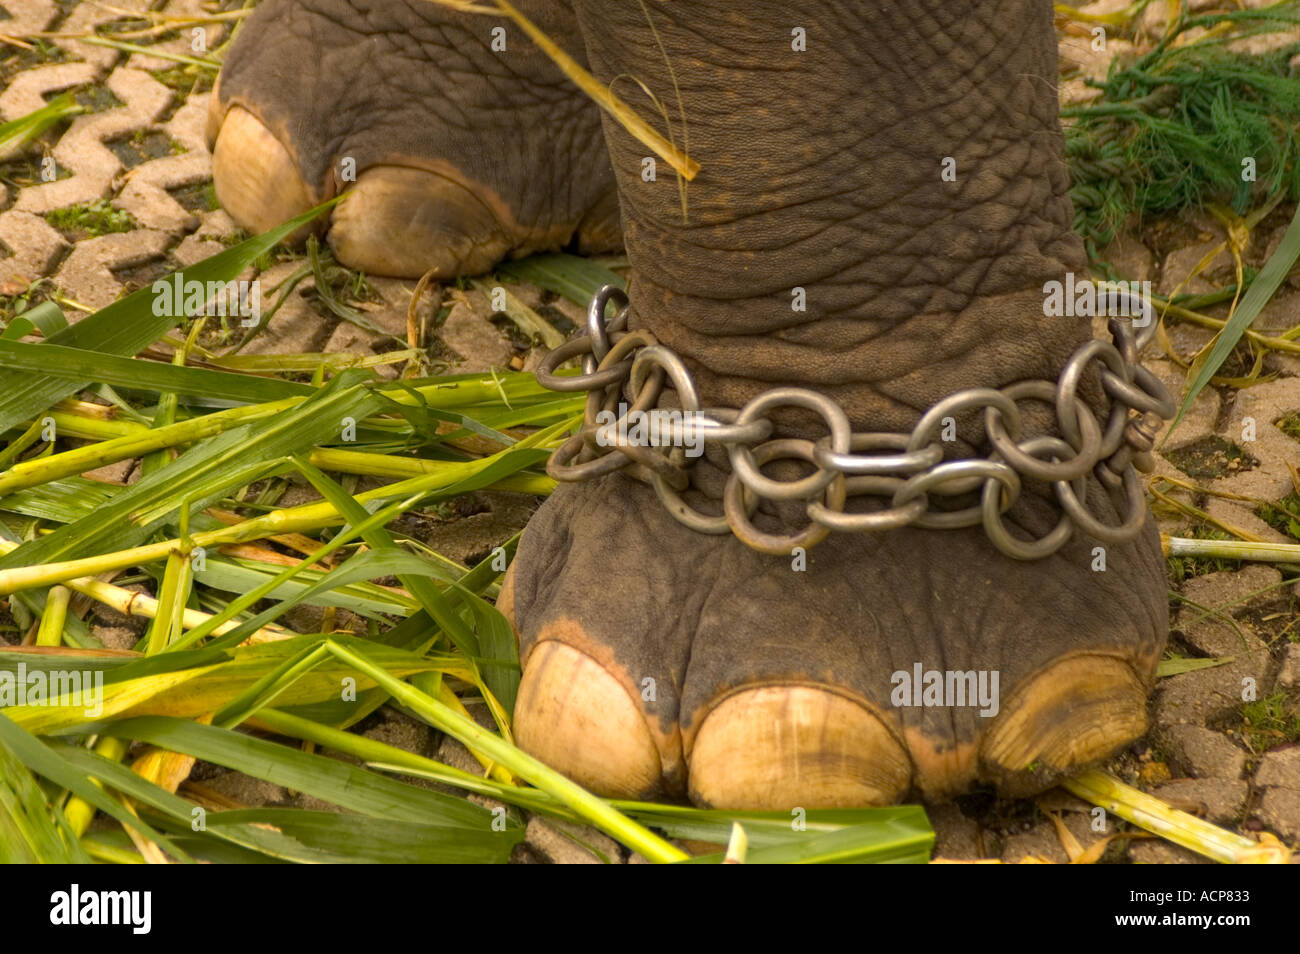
pixel 823 248
pixel 660 662
pixel 458 142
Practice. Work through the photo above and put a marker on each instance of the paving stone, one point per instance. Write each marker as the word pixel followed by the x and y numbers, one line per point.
pixel 347 338
pixel 214 33
pixel 34 245
pixel 82 148
pixel 1041 841
pixel 1280 768
pixel 1271 246
pixel 1202 752
pixel 1178 265
pixel 145 194
pixel 26 92
pixel 1222 799
pixel 1223 592
pixel 1201 417
pixel 1194 698
pixel 956 836
pixel 115 473
pixel 207 240
pixel 1235 515
pixel 404 733
pixel 86 275
pixel 296 328
pixel 453 753
pixel 250 791
pixel 1279 779
pixel 1279 810
pixel 567 844
pixel 1186 340
pixel 469 537
pixel 477 341
pixel 396 295
pixel 1264 404
pixel 1288 677
pixel 1217 590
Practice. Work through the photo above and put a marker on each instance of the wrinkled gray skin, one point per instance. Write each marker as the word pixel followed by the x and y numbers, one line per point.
pixel 820 170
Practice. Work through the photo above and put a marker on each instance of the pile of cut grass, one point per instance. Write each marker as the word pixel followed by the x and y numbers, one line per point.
pixel 1172 130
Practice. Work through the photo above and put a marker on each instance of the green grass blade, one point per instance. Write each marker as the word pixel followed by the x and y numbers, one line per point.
pixel 172 811
pixel 49 763
pixel 368 565
pixel 349 593
pixel 1256 297
pixel 17 133
pixel 577 279
pixel 47 318
pixel 379 539
pixel 32 831
pixel 134 373
pixel 338 783
pixel 473 736
pixel 902 841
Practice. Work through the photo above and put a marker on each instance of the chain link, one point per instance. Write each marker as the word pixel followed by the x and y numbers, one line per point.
pixel 625 373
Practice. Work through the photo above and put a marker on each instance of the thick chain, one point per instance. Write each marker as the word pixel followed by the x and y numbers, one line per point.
pixel 625 373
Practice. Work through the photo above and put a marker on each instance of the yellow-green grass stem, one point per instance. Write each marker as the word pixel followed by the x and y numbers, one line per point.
pixel 141 441
pixel 178 577
pixel 129 603
pixel 130 441
pixel 101 851
pixel 593 809
pixel 19 444
pixel 390 758
pixel 50 632
pixel 601 94
pixel 1183 829
pixel 1231 550
pixel 78 812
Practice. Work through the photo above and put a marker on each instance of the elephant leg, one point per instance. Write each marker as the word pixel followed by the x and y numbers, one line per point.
pixel 657 660
pixel 458 142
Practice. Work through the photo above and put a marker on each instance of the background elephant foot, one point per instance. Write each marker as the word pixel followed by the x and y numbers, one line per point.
pixel 458 147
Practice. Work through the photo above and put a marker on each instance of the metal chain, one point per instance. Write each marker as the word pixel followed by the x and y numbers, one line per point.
pixel 628 371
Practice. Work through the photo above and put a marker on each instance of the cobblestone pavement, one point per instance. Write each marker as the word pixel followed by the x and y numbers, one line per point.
pixel 140 149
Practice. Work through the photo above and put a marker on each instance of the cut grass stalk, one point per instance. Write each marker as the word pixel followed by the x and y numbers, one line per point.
pixel 594 810
pixel 137 443
pixel 604 97
pixel 130 603
pixel 528 321
pixel 157 51
pixel 1231 550
pixel 79 812
pixel 1181 828
pixel 55 615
